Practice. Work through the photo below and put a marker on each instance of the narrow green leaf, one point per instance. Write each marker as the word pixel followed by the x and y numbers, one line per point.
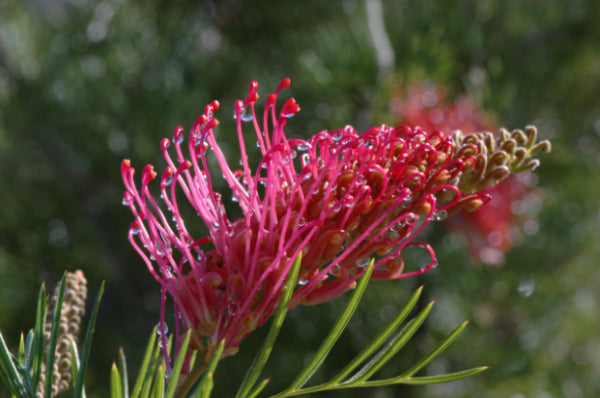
pixel 28 351
pixel 263 355
pixel 87 345
pixel 75 365
pixel 8 371
pixel 392 348
pixel 137 388
pixel 176 372
pixel 37 345
pixel 158 386
pixel 151 371
pixel 193 358
pixel 449 340
pixel 446 377
pixel 116 389
pixel 380 339
pixel 21 355
pixel 50 356
pixel 261 386
pixel 206 383
pixel 123 373
pixel 335 332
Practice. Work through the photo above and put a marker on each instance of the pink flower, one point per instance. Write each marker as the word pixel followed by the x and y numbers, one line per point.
pixel 489 230
pixel 338 198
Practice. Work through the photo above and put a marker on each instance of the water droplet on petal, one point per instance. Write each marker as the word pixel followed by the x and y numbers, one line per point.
pixel 246 114
pixel 162 329
pixel 302 282
pixel 440 215
pixel 233 308
pixel 305 158
pixel 336 135
pixel 169 180
pixel 289 115
pixel 178 138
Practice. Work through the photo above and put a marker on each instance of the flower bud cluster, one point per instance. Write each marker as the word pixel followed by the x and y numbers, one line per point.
pixel 73 309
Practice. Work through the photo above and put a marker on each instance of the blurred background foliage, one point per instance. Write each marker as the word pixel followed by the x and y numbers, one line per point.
pixel 84 84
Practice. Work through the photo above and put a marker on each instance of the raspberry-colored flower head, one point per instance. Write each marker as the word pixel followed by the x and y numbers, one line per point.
pixel 338 198
pixel 490 230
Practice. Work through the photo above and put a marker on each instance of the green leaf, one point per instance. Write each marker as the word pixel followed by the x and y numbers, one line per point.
pixel 9 373
pixel 116 388
pixel 87 345
pixel 124 376
pixel 380 338
pixel 392 348
pixel 37 346
pixel 54 338
pixel 158 385
pixel 205 385
pixel 259 388
pixel 446 377
pixel 263 355
pixel 150 348
pixel 176 372
pixel 335 332
pixel 449 340
pixel 21 355
pixel 75 364
pixel 151 371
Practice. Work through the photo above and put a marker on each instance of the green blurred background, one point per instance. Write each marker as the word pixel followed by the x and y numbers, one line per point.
pixel 84 84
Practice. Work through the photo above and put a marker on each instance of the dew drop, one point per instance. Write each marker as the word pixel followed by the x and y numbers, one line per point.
pixel 125 202
pixel 440 215
pixel 162 329
pixel 305 158
pixel 289 115
pixel 337 135
pixel 246 114
pixel 302 282
pixel 349 201
pixel 169 180
pixel 178 138
pixel 135 230
pixel 233 308
pixel 363 264
pixel 303 147
pixel 301 221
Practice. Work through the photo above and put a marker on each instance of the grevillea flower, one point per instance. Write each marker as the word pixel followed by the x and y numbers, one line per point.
pixel 490 230
pixel 337 198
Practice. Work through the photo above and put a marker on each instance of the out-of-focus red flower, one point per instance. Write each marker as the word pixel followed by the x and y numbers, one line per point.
pixel 493 229
pixel 338 198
